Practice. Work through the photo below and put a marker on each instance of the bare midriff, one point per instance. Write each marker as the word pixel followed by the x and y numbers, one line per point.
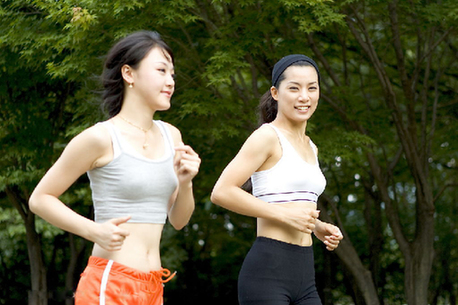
pixel 280 231
pixel 140 249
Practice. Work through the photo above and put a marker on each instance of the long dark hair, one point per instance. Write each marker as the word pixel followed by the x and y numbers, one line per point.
pixel 128 51
pixel 268 108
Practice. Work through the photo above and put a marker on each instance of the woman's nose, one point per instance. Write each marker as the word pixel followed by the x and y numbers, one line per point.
pixel 304 96
pixel 170 81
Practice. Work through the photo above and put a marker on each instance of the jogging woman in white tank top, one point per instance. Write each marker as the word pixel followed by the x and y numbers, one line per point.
pixel 282 163
pixel 140 171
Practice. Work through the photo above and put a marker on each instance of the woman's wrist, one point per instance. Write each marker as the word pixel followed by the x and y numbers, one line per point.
pixel 318 225
pixel 186 185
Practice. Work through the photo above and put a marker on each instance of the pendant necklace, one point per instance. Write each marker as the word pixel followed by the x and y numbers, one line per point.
pixel 145 145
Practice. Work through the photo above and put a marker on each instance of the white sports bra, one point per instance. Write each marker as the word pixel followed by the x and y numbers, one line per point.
pixel 291 179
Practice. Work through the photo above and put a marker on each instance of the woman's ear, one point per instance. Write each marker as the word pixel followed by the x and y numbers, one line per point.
pixel 127 74
pixel 274 93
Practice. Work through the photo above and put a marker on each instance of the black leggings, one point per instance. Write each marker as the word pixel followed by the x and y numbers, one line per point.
pixel 277 273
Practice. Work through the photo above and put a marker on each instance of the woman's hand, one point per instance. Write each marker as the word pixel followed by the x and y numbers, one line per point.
pixel 329 234
pixel 187 163
pixel 109 235
pixel 299 217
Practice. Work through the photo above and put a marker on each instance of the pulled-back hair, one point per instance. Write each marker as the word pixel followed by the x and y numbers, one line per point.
pixel 128 51
pixel 268 108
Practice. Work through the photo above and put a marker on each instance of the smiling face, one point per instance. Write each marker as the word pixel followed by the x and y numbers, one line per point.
pixel 153 80
pixel 297 94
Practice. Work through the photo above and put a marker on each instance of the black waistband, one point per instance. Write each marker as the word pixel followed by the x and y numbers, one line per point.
pixel 283 245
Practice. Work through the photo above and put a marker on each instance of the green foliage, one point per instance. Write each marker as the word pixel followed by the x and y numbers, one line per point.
pixel 315 16
pixel 52 51
pixel 223 65
pixel 13 259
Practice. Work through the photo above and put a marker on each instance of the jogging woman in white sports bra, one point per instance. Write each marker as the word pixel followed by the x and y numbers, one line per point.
pixel 282 163
pixel 140 172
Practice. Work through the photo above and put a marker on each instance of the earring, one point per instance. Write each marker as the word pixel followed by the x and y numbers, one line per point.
pixel 131 85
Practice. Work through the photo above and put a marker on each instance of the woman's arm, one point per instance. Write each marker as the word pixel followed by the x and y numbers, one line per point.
pixel 83 153
pixel 187 163
pixel 258 152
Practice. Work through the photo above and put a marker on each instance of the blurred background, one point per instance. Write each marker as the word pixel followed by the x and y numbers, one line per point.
pixel 386 128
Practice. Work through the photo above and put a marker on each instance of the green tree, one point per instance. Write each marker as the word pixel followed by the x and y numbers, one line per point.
pixel 385 129
pixel 34 121
pixel 405 57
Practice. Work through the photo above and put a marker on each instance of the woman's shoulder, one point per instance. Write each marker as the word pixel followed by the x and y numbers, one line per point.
pixel 171 127
pixel 85 149
pixel 267 128
pixel 174 132
pixel 265 133
pixel 264 139
pixel 96 136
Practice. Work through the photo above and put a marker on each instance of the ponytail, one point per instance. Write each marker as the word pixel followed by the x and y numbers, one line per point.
pixel 267 108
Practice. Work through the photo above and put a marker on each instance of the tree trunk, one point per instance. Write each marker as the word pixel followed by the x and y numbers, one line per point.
pixel 419 253
pixel 419 263
pixel 38 294
pixel 76 251
pixel 348 255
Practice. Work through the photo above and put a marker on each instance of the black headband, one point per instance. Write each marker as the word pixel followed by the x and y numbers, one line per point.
pixel 287 61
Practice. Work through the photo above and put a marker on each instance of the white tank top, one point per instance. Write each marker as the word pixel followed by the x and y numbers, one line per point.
pixel 291 178
pixel 132 184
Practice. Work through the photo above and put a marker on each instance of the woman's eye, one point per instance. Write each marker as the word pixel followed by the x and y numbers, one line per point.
pixel 161 70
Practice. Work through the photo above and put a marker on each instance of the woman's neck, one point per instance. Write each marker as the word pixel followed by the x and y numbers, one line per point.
pixel 141 116
pixel 296 130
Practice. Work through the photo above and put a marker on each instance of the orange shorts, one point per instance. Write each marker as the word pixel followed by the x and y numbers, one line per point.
pixel 107 282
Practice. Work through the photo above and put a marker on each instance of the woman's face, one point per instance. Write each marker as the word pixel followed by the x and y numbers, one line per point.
pixel 298 94
pixel 154 79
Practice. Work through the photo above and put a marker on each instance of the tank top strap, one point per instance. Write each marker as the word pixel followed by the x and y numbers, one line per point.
pixel 117 148
pixel 167 135
pixel 285 145
pixel 315 150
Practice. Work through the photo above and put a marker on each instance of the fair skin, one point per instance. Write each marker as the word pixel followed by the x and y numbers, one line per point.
pixel 135 245
pixel 297 96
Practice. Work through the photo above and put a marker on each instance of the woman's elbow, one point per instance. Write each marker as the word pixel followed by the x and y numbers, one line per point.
pixel 36 202
pixel 179 223
pixel 178 227
pixel 215 196
pixel 33 203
